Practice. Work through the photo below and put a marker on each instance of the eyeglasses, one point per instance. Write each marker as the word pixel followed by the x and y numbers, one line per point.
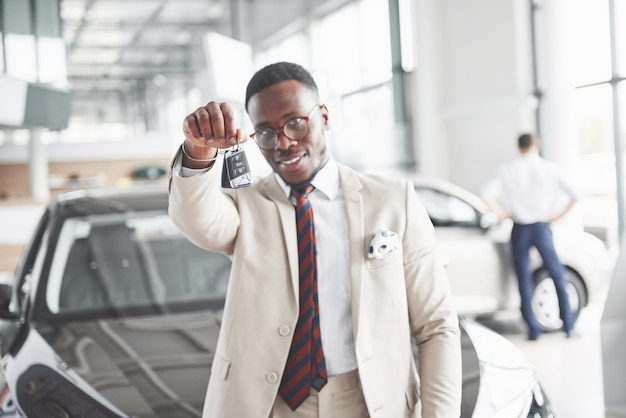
pixel 294 129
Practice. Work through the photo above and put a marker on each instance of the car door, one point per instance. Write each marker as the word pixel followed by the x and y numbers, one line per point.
pixel 474 258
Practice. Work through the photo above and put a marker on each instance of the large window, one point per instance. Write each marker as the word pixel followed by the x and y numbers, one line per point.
pixel 598 73
pixel 2 69
pixel 591 73
pixel 349 53
pixel 591 38
pixel 31 43
pixel 19 40
pixel 619 7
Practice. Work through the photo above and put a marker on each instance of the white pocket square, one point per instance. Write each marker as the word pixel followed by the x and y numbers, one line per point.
pixel 384 242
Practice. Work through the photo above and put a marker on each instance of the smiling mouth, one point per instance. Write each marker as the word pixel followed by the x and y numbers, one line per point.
pixel 291 161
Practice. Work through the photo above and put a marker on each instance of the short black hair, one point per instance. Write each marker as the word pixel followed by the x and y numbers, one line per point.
pixel 278 72
pixel 525 141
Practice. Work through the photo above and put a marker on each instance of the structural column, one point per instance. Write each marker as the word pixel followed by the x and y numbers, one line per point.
pixel 38 167
pixel 554 64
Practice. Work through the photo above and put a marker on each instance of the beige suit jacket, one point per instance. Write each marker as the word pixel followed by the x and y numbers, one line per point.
pixel 402 296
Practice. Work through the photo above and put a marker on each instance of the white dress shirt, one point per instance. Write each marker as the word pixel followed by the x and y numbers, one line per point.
pixel 528 187
pixel 333 278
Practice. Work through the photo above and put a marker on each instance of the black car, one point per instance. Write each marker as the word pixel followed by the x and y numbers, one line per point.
pixel 113 313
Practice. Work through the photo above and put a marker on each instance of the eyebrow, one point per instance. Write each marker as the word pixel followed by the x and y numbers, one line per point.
pixel 286 116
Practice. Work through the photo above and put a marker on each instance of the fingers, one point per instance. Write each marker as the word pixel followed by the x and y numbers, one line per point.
pixel 241 136
pixel 213 125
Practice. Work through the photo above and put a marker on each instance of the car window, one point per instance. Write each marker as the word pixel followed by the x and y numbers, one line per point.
pixel 446 210
pixel 24 270
pixel 117 262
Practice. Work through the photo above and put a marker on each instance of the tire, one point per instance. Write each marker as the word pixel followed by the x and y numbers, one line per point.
pixel 546 303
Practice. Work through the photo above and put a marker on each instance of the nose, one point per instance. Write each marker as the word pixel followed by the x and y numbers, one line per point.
pixel 283 142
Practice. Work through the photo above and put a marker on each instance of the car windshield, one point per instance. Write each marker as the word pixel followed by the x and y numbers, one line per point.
pixel 447 210
pixel 130 261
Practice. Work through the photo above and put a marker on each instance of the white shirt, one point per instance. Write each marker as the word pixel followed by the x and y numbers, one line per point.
pixel 333 278
pixel 528 187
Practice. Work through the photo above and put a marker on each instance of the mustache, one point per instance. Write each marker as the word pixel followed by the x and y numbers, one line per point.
pixel 316 170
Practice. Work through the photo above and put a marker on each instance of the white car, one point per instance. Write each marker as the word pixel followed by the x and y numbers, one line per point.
pixel 114 313
pixel 476 251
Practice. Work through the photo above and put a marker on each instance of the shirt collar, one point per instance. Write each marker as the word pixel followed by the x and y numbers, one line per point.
pixel 529 156
pixel 326 180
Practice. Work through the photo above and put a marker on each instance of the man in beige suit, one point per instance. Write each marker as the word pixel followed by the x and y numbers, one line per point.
pixel 379 283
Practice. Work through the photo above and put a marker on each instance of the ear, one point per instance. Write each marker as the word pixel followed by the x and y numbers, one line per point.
pixel 324 112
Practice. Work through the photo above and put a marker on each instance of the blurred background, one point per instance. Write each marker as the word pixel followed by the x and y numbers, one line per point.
pixel 93 92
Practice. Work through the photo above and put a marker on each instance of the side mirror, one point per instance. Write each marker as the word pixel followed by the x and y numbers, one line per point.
pixel 6 291
pixel 5 296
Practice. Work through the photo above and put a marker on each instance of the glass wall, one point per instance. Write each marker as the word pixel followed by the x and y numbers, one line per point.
pixel 591 73
pixel 599 74
pixel 19 40
pixel 32 50
pixel 2 68
pixel 30 33
pixel 354 77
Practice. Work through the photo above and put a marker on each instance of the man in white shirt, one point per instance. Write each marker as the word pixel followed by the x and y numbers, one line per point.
pixel 525 191
pixel 372 302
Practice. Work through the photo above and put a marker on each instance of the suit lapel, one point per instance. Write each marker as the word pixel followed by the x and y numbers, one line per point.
pixel 287 216
pixel 354 213
pixel 352 190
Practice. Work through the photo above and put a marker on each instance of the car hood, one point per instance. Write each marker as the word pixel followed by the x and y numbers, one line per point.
pixel 500 362
pixel 159 366
pixel 145 366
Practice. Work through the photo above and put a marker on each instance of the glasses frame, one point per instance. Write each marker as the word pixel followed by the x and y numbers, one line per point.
pixel 281 129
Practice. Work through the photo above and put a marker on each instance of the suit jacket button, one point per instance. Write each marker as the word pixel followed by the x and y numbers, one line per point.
pixel 272 377
pixel 284 330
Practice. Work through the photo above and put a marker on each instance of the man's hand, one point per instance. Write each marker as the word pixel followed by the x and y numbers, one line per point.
pixel 208 129
pixel 573 201
pixel 495 207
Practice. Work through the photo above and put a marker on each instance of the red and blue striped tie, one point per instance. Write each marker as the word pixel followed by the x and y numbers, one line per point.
pixel 306 367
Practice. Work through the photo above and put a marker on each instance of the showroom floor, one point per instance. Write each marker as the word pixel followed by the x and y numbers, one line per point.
pixel 570 370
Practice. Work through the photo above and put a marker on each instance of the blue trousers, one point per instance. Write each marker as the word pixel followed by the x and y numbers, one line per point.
pixel 538 235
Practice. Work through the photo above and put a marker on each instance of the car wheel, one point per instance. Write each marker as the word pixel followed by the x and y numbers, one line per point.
pixel 545 301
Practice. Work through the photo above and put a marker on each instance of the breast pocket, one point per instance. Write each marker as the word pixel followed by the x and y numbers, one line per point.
pixel 390 258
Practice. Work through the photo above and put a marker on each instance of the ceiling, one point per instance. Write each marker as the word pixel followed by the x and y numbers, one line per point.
pixel 113 43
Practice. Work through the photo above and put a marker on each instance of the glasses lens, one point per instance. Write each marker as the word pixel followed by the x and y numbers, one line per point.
pixel 296 128
pixel 266 138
